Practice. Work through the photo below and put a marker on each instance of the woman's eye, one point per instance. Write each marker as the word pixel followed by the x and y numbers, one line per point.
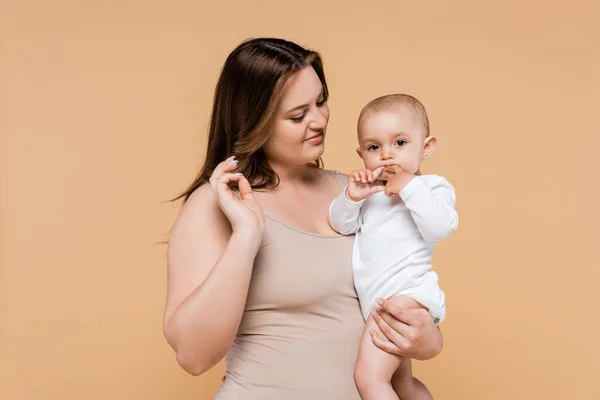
pixel 299 118
pixel 400 143
pixel 321 102
pixel 373 147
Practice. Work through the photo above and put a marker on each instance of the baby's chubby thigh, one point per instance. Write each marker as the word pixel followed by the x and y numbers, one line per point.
pixel 374 364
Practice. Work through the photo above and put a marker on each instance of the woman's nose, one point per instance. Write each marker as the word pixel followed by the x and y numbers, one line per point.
pixel 319 122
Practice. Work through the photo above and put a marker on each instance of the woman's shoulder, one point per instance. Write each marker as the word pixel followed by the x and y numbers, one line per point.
pixel 341 178
pixel 202 197
pixel 337 173
pixel 201 206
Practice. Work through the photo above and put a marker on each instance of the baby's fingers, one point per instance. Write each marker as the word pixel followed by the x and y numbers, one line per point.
pixel 377 172
pixel 363 176
pixel 376 188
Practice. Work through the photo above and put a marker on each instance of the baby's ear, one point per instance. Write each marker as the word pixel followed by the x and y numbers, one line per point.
pixel 358 152
pixel 429 146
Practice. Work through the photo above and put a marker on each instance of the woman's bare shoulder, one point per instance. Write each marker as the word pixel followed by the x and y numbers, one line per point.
pixel 201 211
pixel 337 174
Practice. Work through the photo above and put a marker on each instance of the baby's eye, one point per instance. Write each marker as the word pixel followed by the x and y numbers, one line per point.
pixel 373 147
pixel 400 143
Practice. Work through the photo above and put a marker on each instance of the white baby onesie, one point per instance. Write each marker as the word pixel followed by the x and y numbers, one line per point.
pixel 394 241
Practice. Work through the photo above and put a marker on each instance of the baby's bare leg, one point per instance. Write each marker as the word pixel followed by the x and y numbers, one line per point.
pixel 405 385
pixel 374 368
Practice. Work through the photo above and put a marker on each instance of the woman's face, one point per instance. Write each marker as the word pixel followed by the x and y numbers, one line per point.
pixel 300 122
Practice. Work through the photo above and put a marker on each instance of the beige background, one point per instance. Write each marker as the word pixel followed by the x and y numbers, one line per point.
pixel 103 110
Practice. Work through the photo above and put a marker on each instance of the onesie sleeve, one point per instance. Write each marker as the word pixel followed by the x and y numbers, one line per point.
pixel 431 201
pixel 344 214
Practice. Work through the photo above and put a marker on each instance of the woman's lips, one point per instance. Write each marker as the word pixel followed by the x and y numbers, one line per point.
pixel 317 139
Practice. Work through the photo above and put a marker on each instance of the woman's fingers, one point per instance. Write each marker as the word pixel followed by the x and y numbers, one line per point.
pixel 393 329
pixel 225 166
pixel 409 316
pixel 384 343
pixel 222 182
pixel 411 329
pixel 244 188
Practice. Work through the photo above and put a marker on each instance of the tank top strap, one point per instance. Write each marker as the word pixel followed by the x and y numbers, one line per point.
pixel 339 178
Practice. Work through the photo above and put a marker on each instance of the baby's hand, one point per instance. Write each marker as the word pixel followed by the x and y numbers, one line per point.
pixel 360 185
pixel 396 183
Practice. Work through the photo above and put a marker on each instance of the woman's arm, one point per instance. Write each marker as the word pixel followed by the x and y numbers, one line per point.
pixel 210 261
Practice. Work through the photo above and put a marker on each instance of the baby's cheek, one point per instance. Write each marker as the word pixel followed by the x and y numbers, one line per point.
pixel 411 165
pixel 371 163
pixel 406 165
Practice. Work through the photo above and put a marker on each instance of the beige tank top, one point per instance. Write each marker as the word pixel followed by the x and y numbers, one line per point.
pixel 300 332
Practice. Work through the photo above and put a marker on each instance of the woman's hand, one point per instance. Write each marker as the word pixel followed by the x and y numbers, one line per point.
pixel 242 210
pixel 408 332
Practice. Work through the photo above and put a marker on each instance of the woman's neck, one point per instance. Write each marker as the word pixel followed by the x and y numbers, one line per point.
pixel 295 174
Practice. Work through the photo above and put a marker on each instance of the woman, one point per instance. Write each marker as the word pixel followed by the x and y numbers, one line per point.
pixel 258 274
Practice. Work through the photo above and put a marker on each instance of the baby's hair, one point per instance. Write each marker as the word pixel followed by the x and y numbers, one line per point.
pixel 388 101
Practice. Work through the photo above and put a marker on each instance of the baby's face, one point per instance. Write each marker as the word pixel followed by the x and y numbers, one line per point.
pixel 394 136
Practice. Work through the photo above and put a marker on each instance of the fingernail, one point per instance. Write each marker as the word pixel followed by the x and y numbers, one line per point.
pixel 379 301
pixel 233 162
pixel 238 174
pixel 375 314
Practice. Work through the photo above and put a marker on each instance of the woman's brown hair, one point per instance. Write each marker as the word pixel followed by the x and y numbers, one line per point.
pixel 247 94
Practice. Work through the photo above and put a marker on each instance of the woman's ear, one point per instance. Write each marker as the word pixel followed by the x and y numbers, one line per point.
pixel 429 146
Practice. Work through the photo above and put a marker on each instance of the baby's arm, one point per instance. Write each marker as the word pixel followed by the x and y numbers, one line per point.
pixel 344 214
pixel 431 202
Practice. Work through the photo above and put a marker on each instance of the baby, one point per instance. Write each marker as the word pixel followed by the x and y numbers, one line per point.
pixel 398 216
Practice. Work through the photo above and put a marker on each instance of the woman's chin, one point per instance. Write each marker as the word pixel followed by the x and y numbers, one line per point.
pixel 315 152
